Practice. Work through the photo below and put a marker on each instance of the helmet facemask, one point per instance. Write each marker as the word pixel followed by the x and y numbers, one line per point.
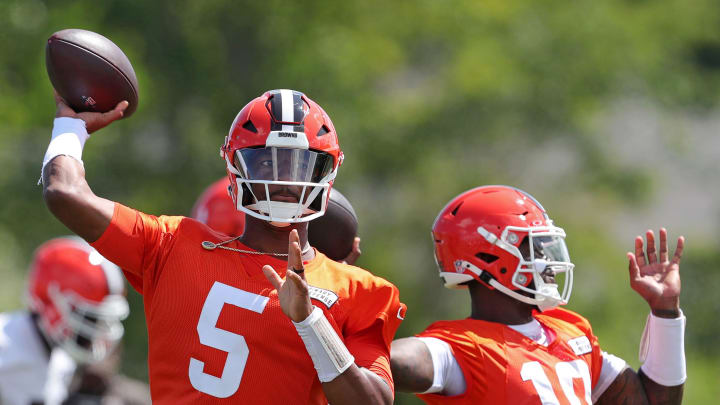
pixel 282 184
pixel 548 258
pixel 87 331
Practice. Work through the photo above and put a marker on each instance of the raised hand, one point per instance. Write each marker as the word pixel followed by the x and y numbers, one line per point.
pixel 293 290
pixel 93 120
pixel 656 278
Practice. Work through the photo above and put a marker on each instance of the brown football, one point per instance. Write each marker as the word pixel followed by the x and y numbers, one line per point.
pixel 90 72
pixel 334 233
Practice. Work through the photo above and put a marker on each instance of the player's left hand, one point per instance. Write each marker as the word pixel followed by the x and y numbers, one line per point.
pixel 657 279
pixel 293 290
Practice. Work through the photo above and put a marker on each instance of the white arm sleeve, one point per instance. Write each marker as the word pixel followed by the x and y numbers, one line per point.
pixel 448 378
pixel 662 350
pixel 611 368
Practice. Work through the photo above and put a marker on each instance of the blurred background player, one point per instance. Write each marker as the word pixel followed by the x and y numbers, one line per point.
pixel 215 208
pixel 517 347
pixel 102 384
pixel 76 304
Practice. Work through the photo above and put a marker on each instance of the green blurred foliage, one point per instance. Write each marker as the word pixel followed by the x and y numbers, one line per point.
pixel 429 98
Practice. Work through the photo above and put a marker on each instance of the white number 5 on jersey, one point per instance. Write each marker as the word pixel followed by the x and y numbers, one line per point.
pixel 232 343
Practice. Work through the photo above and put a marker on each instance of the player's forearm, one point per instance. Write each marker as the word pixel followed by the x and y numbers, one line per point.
pixel 660 394
pixel 662 376
pixel 69 198
pixel 357 386
pixel 343 381
pixel 631 388
pixel 626 389
pixel 662 351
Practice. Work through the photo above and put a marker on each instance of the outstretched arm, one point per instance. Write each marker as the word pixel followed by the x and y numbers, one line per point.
pixel 657 280
pixel 66 193
pixel 342 380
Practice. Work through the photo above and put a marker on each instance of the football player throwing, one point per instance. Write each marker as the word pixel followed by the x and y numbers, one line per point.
pixel 255 318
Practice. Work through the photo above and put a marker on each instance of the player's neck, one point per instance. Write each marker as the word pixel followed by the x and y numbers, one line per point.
pixel 260 235
pixel 494 306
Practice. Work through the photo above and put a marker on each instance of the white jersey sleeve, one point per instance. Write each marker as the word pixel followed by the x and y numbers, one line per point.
pixel 448 378
pixel 27 373
pixel 611 368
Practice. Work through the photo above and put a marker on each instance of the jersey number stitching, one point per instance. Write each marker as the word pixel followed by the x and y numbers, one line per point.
pixel 566 372
pixel 232 343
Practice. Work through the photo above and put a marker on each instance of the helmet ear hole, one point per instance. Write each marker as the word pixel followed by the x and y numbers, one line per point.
pixel 456 209
pixel 250 127
pixel 323 130
pixel 486 257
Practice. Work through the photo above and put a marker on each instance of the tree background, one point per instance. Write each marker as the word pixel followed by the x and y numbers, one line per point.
pixel 607 112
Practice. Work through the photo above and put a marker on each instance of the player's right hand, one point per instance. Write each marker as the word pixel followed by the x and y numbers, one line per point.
pixel 93 120
pixel 293 291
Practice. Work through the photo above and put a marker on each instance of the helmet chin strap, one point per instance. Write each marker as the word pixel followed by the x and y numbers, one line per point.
pixel 545 299
pixel 279 211
pixel 280 224
pixel 546 296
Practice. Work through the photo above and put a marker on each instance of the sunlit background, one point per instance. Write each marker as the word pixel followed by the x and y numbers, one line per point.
pixel 606 111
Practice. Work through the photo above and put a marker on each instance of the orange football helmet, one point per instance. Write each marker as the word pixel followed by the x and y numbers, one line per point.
pixel 215 209
pixel 79 298
pixel 486 234
pixel 282 155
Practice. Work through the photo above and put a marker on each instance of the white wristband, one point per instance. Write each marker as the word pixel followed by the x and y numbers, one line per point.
pixel 68 138
pixel 662 350
pixel 328 353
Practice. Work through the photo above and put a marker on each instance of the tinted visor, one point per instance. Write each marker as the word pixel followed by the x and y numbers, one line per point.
pixel 548 248
pixel 283 164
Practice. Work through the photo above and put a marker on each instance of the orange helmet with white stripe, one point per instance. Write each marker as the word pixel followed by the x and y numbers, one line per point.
pixel 282 155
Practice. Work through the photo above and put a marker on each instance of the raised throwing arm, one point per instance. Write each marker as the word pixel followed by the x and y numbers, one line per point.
pixel 66 193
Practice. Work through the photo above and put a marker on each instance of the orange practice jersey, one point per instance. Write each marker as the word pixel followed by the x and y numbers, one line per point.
pixel 216 331
pixel 501 366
